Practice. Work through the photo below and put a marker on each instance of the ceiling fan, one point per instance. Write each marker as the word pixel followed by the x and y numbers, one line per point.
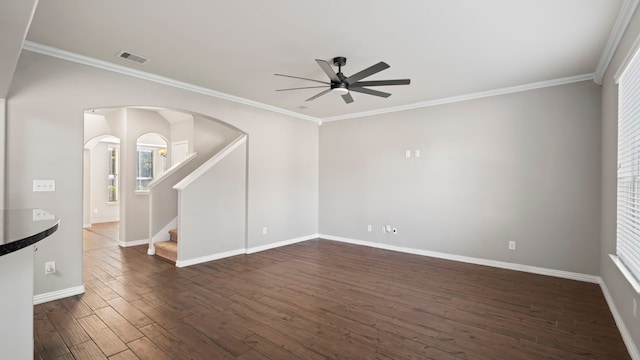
pixel 343 85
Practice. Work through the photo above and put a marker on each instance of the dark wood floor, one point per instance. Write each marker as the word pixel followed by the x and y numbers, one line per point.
pixel 319 300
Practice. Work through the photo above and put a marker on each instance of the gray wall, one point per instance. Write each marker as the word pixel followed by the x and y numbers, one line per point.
pixel 136 204
pixel 212 212
pixel 621 291
pixel 206 137
pixel 181 131
pixel 45 111
pixel 522 167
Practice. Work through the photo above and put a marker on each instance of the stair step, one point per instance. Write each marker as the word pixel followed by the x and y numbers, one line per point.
pixel 167 250
pixel 173 235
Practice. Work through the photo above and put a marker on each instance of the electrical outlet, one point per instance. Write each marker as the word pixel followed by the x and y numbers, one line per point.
pixel 407 153
pixel 264 230
pixel 384 229
pixel 39 215
pixel 512 245
pixel 44 185
pixel 50 267
pixel 369 228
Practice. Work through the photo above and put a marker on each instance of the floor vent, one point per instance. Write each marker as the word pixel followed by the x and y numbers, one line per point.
pixel 132 57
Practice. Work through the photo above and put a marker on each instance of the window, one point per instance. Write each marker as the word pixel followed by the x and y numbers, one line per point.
pixel 628 213
pixel 144 173
pixel 112 178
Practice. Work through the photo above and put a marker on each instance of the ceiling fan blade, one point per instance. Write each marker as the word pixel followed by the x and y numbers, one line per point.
pixel 347 98
pixel 381 83
pixel 318 95
pixel 301 78
pixel 328 70
pixel 299 88
pixel 366 72
pixel 370 92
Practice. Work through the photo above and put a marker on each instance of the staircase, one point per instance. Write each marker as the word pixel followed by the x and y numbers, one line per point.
pixel 168 250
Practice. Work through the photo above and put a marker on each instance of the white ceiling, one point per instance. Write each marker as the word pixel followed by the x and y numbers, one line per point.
pixel 447 47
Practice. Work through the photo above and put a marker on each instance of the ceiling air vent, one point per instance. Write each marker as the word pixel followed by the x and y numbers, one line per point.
pixel 132 57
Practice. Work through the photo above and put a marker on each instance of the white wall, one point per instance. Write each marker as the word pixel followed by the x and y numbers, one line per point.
pixel 100 210
pixel 45 111
pixel 620 289
pixel 521 167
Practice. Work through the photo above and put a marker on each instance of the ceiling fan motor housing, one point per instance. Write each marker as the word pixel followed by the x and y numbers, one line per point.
pixel 339 61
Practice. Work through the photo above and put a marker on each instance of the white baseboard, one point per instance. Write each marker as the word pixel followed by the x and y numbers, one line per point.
pixel 202 259
pixel 59 294
pixel 624 332
pixel 133 243
pixel 253 250
pixel 472 260
pixel 84 226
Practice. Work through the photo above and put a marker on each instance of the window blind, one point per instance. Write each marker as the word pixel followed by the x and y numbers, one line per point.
pixel 628 213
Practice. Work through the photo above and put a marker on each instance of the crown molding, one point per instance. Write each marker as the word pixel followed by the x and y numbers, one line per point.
pixel 466 97
pixel 89 61
pixel 100 64
pixel 622 21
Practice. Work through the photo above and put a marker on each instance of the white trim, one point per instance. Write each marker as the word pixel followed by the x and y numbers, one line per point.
pixel 210 163
pixel 141 192
pixel 626 273
pixel 203 259
pixel 467 97
pixel 624 332
pixel 472 260
pixel 627 9
pixel 253 250
pixel 170 171
pixel 85 60
pixel 85 226
pixel 59 294
pixel 633 50
pixel 133 243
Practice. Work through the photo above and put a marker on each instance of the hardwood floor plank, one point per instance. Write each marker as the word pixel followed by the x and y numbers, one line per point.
pixel 102 335
pixel 120 326
pixel 87 350
pixel 76 307
pixel 68 328
pixel 146 350
pixel 125 355
pixel 93 300
pixel 217 334
pixel 48 343
pixel 130 312
pixel 319 299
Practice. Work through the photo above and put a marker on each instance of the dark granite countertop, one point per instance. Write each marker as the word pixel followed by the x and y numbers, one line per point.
pixel 21 228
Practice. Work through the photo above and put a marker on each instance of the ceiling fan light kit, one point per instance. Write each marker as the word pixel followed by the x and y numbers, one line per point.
pixel 342 85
